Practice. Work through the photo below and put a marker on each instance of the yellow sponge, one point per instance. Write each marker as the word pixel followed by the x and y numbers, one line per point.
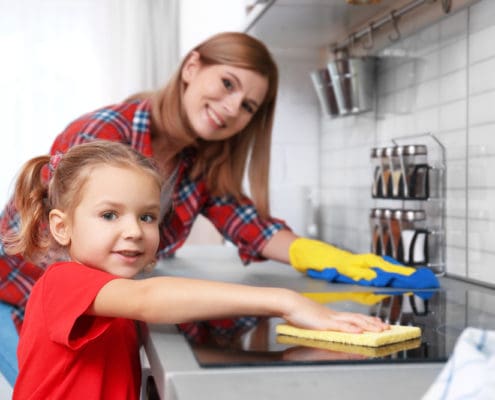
pixel 364 351
pixel 396 333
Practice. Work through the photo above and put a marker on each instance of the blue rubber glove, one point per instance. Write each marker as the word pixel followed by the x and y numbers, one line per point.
pixel 323 261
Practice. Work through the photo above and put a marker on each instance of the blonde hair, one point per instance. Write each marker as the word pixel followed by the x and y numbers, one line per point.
pixel 223 163
pixel 35 193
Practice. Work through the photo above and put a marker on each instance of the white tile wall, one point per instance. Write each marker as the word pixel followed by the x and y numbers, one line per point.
pixel 294 158
pixel 445 85
pixel 481 45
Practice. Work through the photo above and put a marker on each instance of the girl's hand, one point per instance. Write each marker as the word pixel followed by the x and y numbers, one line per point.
pixel 305 313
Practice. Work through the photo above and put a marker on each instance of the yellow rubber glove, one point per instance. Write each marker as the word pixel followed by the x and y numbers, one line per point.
pixel 307 254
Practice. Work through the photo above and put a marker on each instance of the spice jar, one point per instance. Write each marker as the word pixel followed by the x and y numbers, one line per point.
pixel 414 236
pixel 388 233
pixel 399 187
pixel 396 235
pixel 381 173
pixel 376 215
pixel 415 170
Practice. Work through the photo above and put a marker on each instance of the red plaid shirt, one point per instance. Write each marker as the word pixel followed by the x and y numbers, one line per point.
pixel 129 123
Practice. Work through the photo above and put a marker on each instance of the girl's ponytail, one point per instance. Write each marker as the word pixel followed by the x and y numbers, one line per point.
pixel 31 201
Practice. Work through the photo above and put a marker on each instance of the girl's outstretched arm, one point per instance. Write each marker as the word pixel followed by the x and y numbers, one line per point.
pixel 173 300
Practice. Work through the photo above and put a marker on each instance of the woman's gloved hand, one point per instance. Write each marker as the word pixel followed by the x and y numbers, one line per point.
pixel 323 261
pixel 312 254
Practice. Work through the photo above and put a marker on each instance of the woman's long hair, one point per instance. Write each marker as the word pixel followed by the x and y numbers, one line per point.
pixel 223 163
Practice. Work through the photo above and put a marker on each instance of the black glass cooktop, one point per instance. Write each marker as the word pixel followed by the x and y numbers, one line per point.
pixel 441 315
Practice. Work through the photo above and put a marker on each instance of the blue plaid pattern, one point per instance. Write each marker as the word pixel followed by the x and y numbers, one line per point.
pixel 246 213
pixel 141 121
pixel 106 115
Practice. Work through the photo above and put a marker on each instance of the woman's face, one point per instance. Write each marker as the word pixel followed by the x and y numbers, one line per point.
pixel 220 100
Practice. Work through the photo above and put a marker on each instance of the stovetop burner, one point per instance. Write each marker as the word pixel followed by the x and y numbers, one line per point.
pixel 441 315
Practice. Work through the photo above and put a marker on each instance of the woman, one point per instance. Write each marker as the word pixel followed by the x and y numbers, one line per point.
pixel 210 123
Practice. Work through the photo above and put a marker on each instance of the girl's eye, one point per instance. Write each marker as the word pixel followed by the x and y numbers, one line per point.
pixel 109 215
pixel 148 218
pixel 227 83
pixel 248 107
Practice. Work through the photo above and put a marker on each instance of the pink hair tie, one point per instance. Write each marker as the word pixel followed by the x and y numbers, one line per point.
pixel 53 164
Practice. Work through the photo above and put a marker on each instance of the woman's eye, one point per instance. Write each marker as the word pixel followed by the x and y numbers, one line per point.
pixel 248 107
pixel 148 218
pixel 109 215
pixel 227 84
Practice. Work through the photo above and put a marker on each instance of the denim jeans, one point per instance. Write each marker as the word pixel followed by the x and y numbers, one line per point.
pixel 8 344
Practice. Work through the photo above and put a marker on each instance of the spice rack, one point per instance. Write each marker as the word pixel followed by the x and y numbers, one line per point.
pixel 408 217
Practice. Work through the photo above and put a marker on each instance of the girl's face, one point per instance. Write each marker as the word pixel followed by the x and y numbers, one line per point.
pixel 220 100
pixel 115 226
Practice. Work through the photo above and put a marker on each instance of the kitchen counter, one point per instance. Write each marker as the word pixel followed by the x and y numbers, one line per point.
pixel 179 376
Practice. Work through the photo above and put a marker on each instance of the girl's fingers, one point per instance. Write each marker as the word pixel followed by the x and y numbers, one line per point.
pixel 362 322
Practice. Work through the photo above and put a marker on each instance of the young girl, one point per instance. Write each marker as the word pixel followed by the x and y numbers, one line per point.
pixel 101 202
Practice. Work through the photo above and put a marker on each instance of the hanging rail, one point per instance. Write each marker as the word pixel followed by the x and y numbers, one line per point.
pixel 392 17
pixel 256 15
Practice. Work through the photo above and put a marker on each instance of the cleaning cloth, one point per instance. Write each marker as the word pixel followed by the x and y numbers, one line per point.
pixel 421 278
pixel 365 351
pixel 396 333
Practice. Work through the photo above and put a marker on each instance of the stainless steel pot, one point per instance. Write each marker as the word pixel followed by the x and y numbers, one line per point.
pixel 353 83
pixel 324 91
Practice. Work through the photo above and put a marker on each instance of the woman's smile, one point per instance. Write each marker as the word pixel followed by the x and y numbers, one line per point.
pixel 215 119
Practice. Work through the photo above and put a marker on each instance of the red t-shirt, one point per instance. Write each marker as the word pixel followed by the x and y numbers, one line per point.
pixel 64 354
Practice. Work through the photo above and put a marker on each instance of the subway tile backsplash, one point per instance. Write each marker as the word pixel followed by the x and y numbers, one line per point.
pixel 445 85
